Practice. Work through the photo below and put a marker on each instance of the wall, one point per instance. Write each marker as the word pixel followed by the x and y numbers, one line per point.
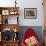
pixel 36 29
pixel 27 4
pixel 32 4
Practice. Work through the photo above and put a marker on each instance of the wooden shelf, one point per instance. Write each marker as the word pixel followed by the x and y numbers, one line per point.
pixel 11 26
pixel 5 8
pixel 4 13
pixel 8 11
pixel 9 43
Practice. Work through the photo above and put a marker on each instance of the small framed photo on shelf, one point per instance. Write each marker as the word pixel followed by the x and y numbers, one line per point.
pixel 5 12
pixel 30 13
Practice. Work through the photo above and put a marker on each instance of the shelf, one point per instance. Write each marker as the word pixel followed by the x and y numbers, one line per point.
pixel 5 8
pixel 10 26
pixel 9 10
pixel 5 12
pixel 11 41
pixel 7 23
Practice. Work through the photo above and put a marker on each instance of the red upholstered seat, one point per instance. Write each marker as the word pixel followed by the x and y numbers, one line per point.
pixel 29 33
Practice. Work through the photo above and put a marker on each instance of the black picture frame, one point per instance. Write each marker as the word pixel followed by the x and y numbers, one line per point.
pixel 30 13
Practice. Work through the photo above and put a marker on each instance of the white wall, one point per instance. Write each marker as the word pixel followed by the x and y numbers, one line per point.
pixel 27 4
pixel 32 4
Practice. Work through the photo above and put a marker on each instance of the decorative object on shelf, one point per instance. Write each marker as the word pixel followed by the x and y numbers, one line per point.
pixel 7 34
pixel 5 12
pixel 13 12
pixel 15 3
pixel 15 30
pixel 15 37
pixel 30 13
pixel 15 34
pixel 6 21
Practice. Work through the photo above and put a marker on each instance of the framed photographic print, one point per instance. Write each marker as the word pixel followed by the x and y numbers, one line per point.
pixel 5 12
pixel 30 13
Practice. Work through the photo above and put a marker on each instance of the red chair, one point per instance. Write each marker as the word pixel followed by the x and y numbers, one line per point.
pixel 29 33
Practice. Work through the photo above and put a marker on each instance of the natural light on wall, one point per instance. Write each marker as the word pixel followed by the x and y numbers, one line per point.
pixel 10 3
pixel 7 3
